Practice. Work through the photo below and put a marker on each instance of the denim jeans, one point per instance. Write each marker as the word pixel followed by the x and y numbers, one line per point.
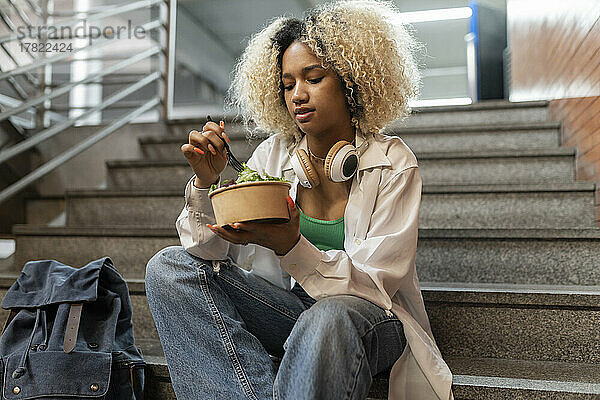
pixel 218 330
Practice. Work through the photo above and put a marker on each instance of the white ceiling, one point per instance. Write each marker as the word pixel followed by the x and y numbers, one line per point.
pixel 222 28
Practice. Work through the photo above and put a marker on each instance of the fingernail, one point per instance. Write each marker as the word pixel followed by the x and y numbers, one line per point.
pixel 236 225
pixel 291 202
pixel 222 124
pixel 197 150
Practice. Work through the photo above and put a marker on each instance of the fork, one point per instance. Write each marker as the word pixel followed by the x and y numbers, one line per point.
pixel 231 160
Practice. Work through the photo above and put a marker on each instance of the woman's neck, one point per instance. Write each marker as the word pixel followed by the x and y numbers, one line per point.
pixel 319 146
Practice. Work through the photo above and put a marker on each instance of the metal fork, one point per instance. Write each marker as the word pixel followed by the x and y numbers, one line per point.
pixel 231 160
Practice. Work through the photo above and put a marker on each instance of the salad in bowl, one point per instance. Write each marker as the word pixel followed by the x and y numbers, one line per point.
pixel 251 197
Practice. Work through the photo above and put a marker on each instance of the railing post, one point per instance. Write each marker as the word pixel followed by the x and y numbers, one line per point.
pixel 169 52
pixel 40 111
pixel 472 72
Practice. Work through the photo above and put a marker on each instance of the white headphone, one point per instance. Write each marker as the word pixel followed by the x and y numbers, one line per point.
pixel 341 163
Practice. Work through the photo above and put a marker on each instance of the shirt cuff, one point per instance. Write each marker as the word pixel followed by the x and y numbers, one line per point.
pixel 197 198
pixel 301 260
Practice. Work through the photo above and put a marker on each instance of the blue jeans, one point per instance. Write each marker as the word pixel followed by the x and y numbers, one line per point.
pixel 218 330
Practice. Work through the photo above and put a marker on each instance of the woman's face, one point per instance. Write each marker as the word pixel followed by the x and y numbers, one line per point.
pixel 313 95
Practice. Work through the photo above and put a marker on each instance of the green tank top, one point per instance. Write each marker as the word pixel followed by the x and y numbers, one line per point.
pixel 325 235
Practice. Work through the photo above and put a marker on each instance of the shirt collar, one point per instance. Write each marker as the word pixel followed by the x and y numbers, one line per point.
pixel 370 154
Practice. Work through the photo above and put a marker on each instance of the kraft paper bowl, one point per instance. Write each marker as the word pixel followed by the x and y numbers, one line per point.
pixel 264 201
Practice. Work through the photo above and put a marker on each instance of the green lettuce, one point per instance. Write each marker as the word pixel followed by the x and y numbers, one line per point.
pixel 247 174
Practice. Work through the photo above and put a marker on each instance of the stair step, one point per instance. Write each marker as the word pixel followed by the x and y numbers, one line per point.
pixel 513 256
pixel 169 147
pixel 449 168
pixel 484 378
pixel 516 136
pixel 473 378
pixel 43 210
pixel 566 205
pixel 508 322
pixel 529 322
pixel 485 112
pixel 443 255
pixel 129 247
pixel 498 166
pixel 556 205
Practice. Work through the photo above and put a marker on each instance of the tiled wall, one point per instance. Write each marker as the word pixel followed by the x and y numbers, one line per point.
pixel 554 49
pixel 555 55
pixel 581 129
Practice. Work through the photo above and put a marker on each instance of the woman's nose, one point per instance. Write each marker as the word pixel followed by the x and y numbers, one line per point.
pixel 299 95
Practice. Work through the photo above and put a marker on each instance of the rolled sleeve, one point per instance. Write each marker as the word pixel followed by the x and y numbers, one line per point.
pixel 302 260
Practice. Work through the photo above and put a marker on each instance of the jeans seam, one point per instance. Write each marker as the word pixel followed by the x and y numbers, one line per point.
pixel 256 297
pixel 275 391
pixel 355 375
pixel 227 342
pixel 377 324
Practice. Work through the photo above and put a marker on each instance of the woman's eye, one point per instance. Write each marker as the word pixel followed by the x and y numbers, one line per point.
pixel 317 80
pixel 287 87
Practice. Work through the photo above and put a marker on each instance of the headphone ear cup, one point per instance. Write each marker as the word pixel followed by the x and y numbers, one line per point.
pixel 307 168
pixel 336 158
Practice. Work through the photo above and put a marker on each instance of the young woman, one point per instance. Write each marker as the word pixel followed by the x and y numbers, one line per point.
pixel 334 292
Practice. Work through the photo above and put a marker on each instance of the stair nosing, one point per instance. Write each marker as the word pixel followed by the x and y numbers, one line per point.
pixel 106 230
pixel 513 188
pixel 500 153
pixel 472 154
pixel 496 295
pixel 583 233
pixel 478 127
pixel 526 384
pixel 517 233
pixel 427 189
pixel 394 131
pixel 484 105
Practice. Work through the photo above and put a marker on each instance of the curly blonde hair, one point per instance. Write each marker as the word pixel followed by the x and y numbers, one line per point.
pixel 363 41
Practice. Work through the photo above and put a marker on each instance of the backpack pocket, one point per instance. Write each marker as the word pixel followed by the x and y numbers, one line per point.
pixel 58 374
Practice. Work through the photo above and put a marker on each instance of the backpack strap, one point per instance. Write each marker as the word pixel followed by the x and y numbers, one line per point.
pixel 12 315
pixel 72 328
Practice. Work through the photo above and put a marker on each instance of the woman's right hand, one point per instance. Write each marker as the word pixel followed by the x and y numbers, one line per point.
pixel 207 166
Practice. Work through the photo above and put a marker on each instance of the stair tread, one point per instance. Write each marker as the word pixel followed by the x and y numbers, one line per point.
pixel 484 105
pixel 526 369
pixel 234 131
pixel 524 374
pixel 492 233
pixel 476 127
pixel 496 294
pixel 435 188
pixel 176 192
pixel 429 155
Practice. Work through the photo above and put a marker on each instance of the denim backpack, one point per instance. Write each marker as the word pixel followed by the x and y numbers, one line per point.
pixel 69 335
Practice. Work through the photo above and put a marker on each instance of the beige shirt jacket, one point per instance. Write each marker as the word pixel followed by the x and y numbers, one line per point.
pixel 378 260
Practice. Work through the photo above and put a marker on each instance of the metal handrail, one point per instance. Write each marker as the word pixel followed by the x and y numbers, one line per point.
pixel 50 60
pixel 117 10
pixel 165 98
pixel 74 151
pixel 54 130
pixel 67 87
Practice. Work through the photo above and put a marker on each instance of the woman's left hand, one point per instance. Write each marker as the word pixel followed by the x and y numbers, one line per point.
pixel 278 237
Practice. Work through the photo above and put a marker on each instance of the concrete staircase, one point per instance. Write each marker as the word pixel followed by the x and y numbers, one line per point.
pixel 508 255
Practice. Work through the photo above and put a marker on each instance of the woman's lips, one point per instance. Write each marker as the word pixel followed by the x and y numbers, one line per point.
pixel 304 116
